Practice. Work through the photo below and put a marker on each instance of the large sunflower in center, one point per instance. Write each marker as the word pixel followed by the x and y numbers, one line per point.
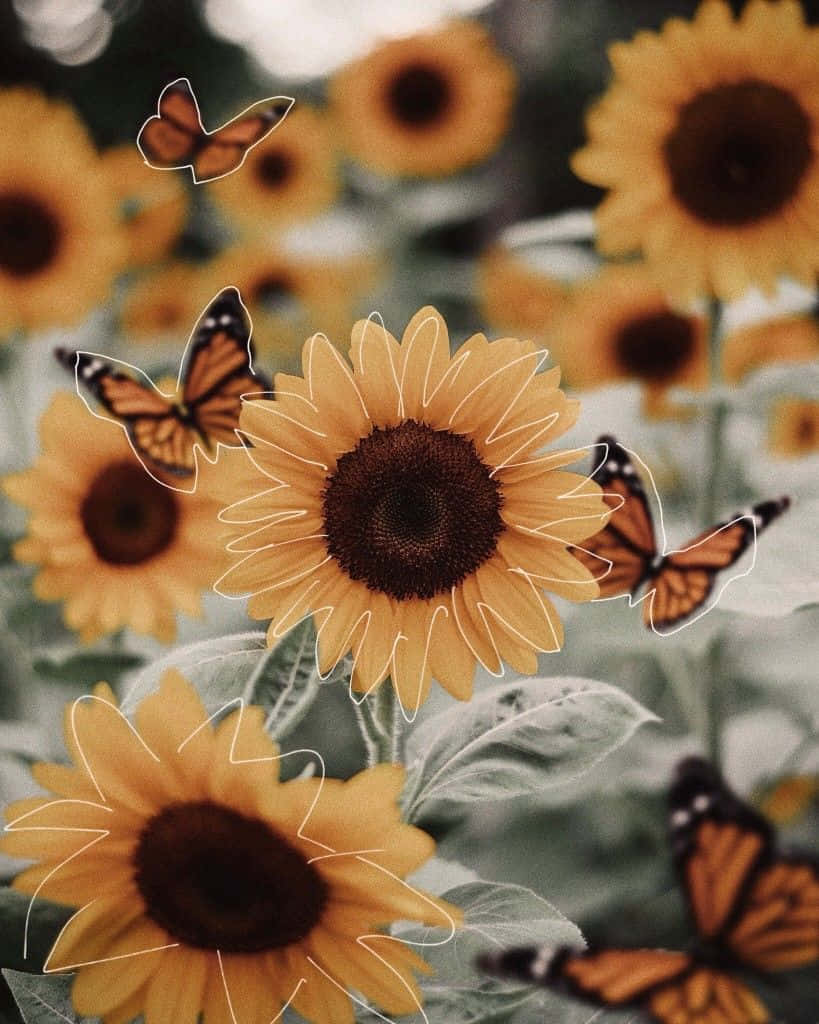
pixel 407 505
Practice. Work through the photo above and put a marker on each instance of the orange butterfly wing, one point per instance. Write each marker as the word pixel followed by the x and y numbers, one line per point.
pixel 627 540
pixel 172 138
pixel 779 925
pixel 685 579
pixel 225 149
pixel 707 997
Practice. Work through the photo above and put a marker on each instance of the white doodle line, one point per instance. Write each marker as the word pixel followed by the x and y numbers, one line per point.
pixel 198 448
pixel 253 106
pixel 239 705
pixel 714 597
pixel 536 430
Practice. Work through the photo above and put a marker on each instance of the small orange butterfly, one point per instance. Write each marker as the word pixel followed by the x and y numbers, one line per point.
pixel 166 431
pixel 174 136
pixel 679 584
pixel 753 908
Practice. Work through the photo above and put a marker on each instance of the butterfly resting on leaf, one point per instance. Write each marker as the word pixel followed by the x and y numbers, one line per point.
pixel 174 136
pixel 754 910
pixel 166 431
pixel 678 584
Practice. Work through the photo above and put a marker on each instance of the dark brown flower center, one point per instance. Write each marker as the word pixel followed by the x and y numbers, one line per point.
pixel 30 234
pixel 419 95
pixel 738 152
pixel 806 430
pixel 412 511
pixel 216 879
pixel 273 168
pixel 128 517
pixel 272 291
pixel 655 347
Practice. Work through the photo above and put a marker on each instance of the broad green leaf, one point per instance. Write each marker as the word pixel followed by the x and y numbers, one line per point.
pixel 44 924
pixel 44 999
pixel 284 679
pixel 516 739
pixel 218 668
pixel 496 916
pixel 89 668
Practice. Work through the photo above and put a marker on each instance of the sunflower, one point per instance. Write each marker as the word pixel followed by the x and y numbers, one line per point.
pixel 154 206
pixel 116 546
pixel 514 296
pixel 708 140
pixel 290 296
pixel 619 325
pixel 209 886
pixel 794 427
pixel 790 339
pixel 290 176
pixel 404 503
pixel 428 104
pixel 166 302
pixel 60 239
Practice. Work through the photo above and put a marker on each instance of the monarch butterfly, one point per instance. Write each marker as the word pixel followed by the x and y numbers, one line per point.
pixel 166 431
pixel 752 908
pixel 677 583
pixel 174 136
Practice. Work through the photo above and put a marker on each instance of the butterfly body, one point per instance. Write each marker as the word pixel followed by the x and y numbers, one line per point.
pixel 678 584
pixel 754 910
pixel 174 137
pixel 166 430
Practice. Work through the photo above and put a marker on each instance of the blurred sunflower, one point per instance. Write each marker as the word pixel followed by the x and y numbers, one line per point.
pixel 209 886
pixel 619 325
pixel 790 339
pixel 153 206
pixel 290 296
pixel 428 104
pixel 708 140
pixel 516 297
pixel 406 505
pixel 794 427
pixel 166 302
pixel 60 240
pixel 290 176
pixel 116 546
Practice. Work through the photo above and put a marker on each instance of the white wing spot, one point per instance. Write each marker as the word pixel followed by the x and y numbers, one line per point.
pixel 225 319
pixel 679 819
pixel 701 803
pixel 540 965
pixel 209 322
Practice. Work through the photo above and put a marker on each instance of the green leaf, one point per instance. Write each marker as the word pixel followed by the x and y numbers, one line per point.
pixel 496 915
pixel 89 668
pixel 284 679
pixel 44 924
pixel 516 739
pixel 44 999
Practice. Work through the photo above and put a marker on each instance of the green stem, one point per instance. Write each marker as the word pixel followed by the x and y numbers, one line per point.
pixel 380 723
pixel 710 694
pixel 715 425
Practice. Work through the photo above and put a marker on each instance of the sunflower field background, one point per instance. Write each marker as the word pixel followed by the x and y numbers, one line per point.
pixel 447 164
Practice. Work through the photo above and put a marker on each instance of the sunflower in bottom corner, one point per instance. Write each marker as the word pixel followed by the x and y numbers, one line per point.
pixel 205 884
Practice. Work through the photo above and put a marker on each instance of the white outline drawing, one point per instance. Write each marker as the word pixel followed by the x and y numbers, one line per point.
pixel 713 597
pixel 99 360
pixel 239 704
pixel 356 632
pixel 206 134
